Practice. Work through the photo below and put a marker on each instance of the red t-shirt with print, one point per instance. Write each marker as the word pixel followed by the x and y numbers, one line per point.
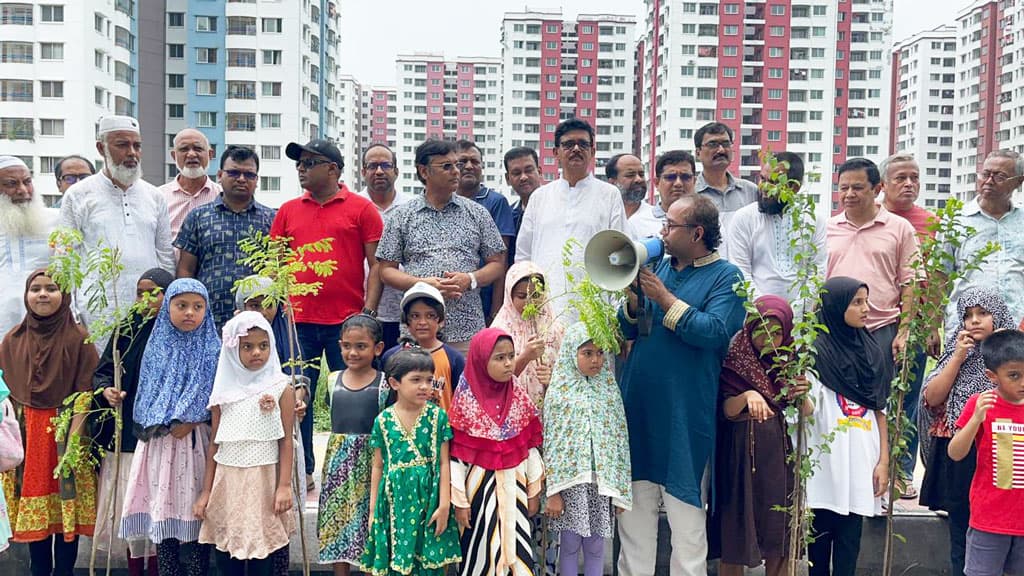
pixel 997 492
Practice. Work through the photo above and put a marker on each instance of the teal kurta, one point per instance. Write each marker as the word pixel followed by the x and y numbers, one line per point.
pixel 670 383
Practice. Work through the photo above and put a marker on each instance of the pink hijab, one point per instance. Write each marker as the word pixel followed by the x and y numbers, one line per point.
pixel 522 331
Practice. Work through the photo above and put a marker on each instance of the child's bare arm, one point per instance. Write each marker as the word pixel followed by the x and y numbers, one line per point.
pixel 880 475
pixel 376 473
pixel 199 508
pixel 286 451
pixel 937 389
pixel 444 505
pixel 960 445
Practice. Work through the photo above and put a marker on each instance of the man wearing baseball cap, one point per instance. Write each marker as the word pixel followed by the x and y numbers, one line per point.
pixel 328 209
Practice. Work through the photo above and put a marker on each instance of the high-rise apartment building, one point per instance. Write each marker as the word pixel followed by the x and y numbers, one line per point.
pixel 250 73
pixel 811 77
pixel 62 67
pixel 924 70
pixel 350 128
pixel 379 117
pixel 555 69
pixel 454 99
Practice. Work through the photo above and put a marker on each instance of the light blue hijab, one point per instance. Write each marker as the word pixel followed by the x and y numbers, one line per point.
pixel 177 368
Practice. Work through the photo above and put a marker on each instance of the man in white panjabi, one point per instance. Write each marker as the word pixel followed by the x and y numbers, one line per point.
pixel 116 208
pixel 25 226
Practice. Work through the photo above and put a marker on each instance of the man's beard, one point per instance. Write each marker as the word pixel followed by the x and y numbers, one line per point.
pixel 767 205
pixel 634 194
pixel 192 172
pixel 121 174
pixel 24 219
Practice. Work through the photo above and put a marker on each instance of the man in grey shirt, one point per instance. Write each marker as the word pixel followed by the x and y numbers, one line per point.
pixel 713 143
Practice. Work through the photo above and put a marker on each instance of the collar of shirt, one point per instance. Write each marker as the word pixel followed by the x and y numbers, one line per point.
pixel 972 208
pixel 399 199
pixel 341 196
pixel 453 203
pixel 701 185
pixel 881 217
pixel 586 180
pixel 702 261
pixel 482 193
pixel 207 186
pixel 218 202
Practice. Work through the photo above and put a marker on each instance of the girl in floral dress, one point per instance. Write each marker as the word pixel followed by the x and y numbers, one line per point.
pixel 356 398
pixel 497 470
pixel 411 527
pixel 586 453
pixel 44 360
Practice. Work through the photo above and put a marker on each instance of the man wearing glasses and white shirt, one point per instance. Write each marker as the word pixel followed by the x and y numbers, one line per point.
pixel 576 206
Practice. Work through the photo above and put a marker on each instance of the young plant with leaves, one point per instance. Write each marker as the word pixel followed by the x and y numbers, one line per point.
pixel 924 319
pixel 275 259
pixel 69 267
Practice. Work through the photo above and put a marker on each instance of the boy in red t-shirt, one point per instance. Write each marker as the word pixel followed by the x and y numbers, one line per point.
pixel 995 421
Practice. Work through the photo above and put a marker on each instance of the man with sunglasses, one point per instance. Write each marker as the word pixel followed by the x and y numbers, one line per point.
pixel 68 171
pixel 714 145
pixel 208 239
pixel 380 171
pixel 576 206
pixel 328 209
pixel 674 174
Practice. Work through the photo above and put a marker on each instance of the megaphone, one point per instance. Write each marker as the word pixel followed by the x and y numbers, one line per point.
pixel 613 259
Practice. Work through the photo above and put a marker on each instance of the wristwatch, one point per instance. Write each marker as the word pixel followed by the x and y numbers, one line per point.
pixel 370 312
pixel 472 281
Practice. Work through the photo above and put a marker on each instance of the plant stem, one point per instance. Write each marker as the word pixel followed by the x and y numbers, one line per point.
pixel 293 362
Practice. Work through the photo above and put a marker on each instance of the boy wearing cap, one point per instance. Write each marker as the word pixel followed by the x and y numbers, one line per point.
pixel 328 209
pixel 423 317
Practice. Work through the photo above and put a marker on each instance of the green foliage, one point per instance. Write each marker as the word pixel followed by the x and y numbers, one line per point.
pixel 598 308
pixel 922 321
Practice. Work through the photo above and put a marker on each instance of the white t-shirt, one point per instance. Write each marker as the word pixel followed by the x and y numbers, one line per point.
pixel 842 480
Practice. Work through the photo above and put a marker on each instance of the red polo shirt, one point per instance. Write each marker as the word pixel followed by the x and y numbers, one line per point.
pixel 352 221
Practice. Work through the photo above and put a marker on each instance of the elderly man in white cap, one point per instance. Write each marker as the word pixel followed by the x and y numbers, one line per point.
pixel 25 224
pixel 116 208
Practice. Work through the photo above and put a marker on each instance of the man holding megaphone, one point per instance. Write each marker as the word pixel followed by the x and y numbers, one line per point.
pixel 670 385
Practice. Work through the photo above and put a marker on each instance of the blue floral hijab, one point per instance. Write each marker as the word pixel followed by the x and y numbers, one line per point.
pixel 177 368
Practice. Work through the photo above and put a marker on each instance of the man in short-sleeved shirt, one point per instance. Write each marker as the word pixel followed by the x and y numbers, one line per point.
pixel 470 163
pixel 208 239
pixel 713 143
pixel 191 188
pixel 441 238
pixel 868 243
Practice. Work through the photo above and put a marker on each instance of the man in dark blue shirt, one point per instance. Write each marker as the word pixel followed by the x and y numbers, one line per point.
pixel 522 172
pixel 470 162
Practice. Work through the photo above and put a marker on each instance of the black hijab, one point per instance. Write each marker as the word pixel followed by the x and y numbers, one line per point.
pixel 849 360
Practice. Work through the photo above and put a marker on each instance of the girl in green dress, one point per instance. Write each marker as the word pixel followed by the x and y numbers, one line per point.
pixel 411 524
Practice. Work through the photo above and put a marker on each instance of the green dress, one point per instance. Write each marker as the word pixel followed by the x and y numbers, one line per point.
pixel 400 540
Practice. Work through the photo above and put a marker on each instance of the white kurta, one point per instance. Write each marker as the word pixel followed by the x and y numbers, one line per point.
pixel 558 212
pixel 135 221
pixel 645 223
pixel 20 255
pixel 759 245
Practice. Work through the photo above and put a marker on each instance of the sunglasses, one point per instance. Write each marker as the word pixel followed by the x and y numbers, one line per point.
pixel 308 163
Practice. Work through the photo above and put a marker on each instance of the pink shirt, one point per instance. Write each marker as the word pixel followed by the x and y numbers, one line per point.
pixel 879 254
pixel 180 203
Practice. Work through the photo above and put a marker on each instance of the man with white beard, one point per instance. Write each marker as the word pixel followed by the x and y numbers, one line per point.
pixel 192 187
pixel 116 208
pixel 25 224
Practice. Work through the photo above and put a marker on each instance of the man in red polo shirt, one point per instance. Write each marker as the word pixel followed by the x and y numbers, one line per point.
pixel 328 209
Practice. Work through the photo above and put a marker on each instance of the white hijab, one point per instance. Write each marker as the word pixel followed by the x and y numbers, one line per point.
pixel 234 381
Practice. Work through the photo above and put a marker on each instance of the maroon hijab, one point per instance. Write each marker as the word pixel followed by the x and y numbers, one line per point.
pixel 744 368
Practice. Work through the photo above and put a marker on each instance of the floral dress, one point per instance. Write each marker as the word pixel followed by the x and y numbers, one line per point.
pixel 401 541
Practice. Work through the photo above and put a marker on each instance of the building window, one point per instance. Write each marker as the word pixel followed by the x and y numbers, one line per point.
pixel 175 110
pixel 774 135
pixel 206 55
pixel 176 81
pixel 16 14
pixel 731 9
pixel 51 126
pixel 240 121
pixel 272 57
pixel 270 120
pixel 241 58
pixel 206 23
pixel 17 128
pixel 175 51
pixel 270 184
pixel 206 87
pixel 206 119
pixel 175 19
pixel 52 13
pixel 730 30
pixel 273 25
pixel 51 51
pixel 777 31
pixel 270 152
pixel 51 88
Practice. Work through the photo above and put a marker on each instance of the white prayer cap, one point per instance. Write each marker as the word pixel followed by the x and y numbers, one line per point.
pixel 116 124
pixel 12 161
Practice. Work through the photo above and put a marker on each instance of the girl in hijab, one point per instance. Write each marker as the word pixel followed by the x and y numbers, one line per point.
pixel 45 359
pixel 252 406
pixel 959 374
pixel 537 339
pixel 849 399
pixel 753 474
pixel 496 466
pixel 586 453
pixel 130 345
pixel 171 422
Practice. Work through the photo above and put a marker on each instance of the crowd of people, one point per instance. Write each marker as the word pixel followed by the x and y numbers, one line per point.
pixel 475 424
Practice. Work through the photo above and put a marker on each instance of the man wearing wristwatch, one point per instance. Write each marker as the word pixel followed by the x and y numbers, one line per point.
pixel 328 209
pixel 441 238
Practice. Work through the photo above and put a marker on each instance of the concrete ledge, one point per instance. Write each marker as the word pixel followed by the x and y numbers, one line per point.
pixel 925 552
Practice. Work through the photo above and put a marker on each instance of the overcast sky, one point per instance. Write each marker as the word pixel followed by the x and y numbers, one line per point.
pixel 374 32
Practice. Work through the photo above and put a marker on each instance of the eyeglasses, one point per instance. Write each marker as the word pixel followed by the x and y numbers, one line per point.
pixel 716 144
pixel 239 174
pixel 570 144
pixel 997 177
pixel 73 178
pixel 308 163
pixel 673 176
pixel 447 166
pixel 669 225
pixel 373 166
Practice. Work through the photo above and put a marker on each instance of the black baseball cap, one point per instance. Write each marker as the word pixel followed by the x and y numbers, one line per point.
pixel 324 148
